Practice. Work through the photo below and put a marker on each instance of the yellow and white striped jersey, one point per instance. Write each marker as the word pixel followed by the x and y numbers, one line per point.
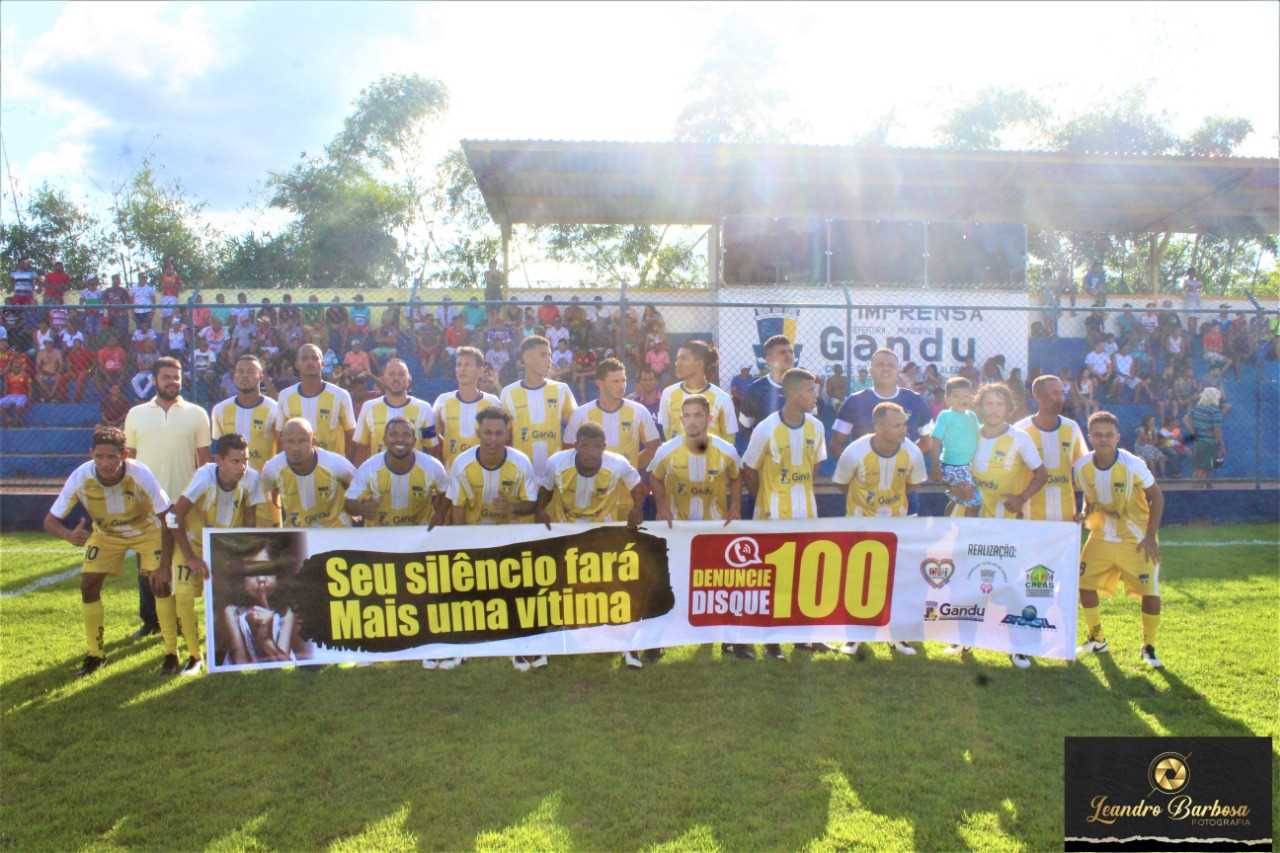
pixel 1059 450
pixel 878 484
pixel 128 509
pixel 722 423
pixel 540 415
pixel 407 498
pixel 212 506
pixel 696 484
pixel 1002 466
pixel 374 414
pixel 626 429
pixel 256 425
pixel 315 499
pixel 456 422
pixel 1116 497
pixel 329 413
pixel 474 488
pixel 595 498
pixel 786 458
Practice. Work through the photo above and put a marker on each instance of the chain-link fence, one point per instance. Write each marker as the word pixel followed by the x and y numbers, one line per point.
pixel 1148 361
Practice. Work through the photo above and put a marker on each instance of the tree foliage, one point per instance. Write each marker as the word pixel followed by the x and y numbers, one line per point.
pixel 157 221
pixel 52 228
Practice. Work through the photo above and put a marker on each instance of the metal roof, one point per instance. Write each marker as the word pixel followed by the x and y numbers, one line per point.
pixel 561 182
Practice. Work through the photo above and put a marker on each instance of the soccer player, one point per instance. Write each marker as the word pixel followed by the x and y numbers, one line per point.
pixel 629 429
pixel 1123 509
pixel 695 361
pixel 782 460
pixel 881 469
pixel 375 414
pixel 1060 442
pixel 696 476
pixel 1007 468
pixel 764 395
pixel 253 417
pixel 492 483
pixel 127 506
pixel 855 415
pixel 224 493
pixel 539 407
pixel 311 481
pixel 322 404
pixel 456 411
pixel 400 485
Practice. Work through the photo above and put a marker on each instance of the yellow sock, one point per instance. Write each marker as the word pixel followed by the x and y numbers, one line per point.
pixel 1150 622
pixel 167 614
pixel 186 606
pixel 1093 618
pixel 92 613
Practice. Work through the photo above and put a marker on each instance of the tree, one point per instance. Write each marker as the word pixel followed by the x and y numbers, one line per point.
pixel 54 228
pixel 471 238
pixel 263 261
pixel 157 221
pixel 981 123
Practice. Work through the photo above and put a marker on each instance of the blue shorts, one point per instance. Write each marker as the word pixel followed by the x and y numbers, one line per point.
pixel 954 474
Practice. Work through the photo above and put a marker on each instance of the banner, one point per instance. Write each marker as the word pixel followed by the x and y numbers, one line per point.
pixel 941 329
pixel 279 597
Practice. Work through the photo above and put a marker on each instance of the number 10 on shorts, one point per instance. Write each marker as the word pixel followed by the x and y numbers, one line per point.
pixel 766 579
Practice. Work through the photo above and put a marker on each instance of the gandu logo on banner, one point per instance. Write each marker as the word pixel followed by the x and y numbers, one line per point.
pixel 941 328
pixel 278 597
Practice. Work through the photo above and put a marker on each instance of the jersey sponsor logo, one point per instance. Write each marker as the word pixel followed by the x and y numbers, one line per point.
pixel 787 476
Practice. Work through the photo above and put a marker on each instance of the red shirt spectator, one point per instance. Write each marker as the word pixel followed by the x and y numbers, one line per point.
pixel 357 362
pixel 170 282
pixel 548 313
pixel 456 335
pixel 657 359
pixel 112 358
pixel 17 383
pixel 56 284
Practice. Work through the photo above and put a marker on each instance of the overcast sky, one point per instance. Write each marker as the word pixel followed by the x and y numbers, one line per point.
pixel 223 93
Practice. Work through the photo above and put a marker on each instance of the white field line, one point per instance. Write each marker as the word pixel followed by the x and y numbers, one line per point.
pixel 40 583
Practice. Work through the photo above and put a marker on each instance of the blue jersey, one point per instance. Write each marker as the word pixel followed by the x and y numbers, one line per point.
pixel 855 415
pixel 763 398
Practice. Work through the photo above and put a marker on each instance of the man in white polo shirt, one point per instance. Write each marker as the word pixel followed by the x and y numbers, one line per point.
pixel 171 437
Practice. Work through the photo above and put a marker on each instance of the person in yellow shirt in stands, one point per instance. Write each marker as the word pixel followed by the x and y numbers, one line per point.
pixel 224 493
pixel 456 410
pixel 782 461
pixel 312 482
pixel 539 407
pixel 253 417
pixel 396 402
pixel 695 362
pixel 126 506
pixel 322 404
pixel 1123 508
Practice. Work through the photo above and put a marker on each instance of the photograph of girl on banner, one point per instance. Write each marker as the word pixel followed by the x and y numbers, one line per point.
pixel 252 575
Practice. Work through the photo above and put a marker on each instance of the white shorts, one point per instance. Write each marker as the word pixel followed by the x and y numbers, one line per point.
pixel 18 400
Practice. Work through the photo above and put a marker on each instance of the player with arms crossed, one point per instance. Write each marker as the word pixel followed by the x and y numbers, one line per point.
pixel 254 418
pixel 456 410
pixel 695 362
pixel 1123 509
pixel 781 463
pixel 396 402
pixel 127 507
pixel 492 483
pixel 226 492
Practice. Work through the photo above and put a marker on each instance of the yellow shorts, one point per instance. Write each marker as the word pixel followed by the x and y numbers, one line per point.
pixel 1104 564
pixel 267 514
pixel 183 578
pixel 104 554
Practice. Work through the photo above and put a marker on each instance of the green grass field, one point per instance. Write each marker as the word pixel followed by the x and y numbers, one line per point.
pixel 700 753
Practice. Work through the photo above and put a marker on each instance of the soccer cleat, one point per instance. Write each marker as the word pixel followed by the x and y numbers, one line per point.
pixel 739 651
pixel 170 666
pixel 538 662
pixel 449 663
pixel 193 666
pixel 521 664
pixel 432 663
pixel 850 648
pixel 653 655
pixel 1149 657
pixel 815 648
pixel 902 648
pixel 1020 661
pixel 773 650
pixel 90 665
pixel 630 659
pixel 955 649
pixel 1097 646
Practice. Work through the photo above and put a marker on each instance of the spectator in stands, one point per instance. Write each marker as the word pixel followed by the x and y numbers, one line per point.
pixel 143 382
pixel 56 283
pixel 221 311
pixel 1146 444
pixel 242 334
pixel 562 362
pixel 456 335
pixel 215 335
pixel 91 313
pixel 70 334
pixel 494 282
pixel 557 332
pixel 113 364
pixel 967 370
pixel 1126 323
pixel 1088 386
pixel 267 310
pixel 203 363
pixel 1150 319
pixel 863 380
pixel 910 377
pixel 1175 346
pixel 1239 343
pixel 932 379
pixel 648 393
pixel 1212 345
pixel 1095 284
pixel 836 387
pixel 498 357
pixel 584 370
pixel 1066 291
pixel 488 381
pixel 1095 327
pixel 739 385
pixel 1161 389
pixel 17 395
pixel 82 365
pixel 475 314
pixel 1186 388
pixel 1205 423
pixel 115 406
pixel 117 318
pixel 50 367
pixel 175 338
pixel 430 341
pixel 266 341
pixel 336 319
pixel 385 339
pixel 1123 376
pixel 356 360
pixel 658 359
pixel 143 297
pixel 1171 444
pixel 199 317
pixel 1191 290
pixel 548 313
pixel 288 311
pixel 1018 390
pixel 1099 366
pixel 23 280
pixel 170 290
